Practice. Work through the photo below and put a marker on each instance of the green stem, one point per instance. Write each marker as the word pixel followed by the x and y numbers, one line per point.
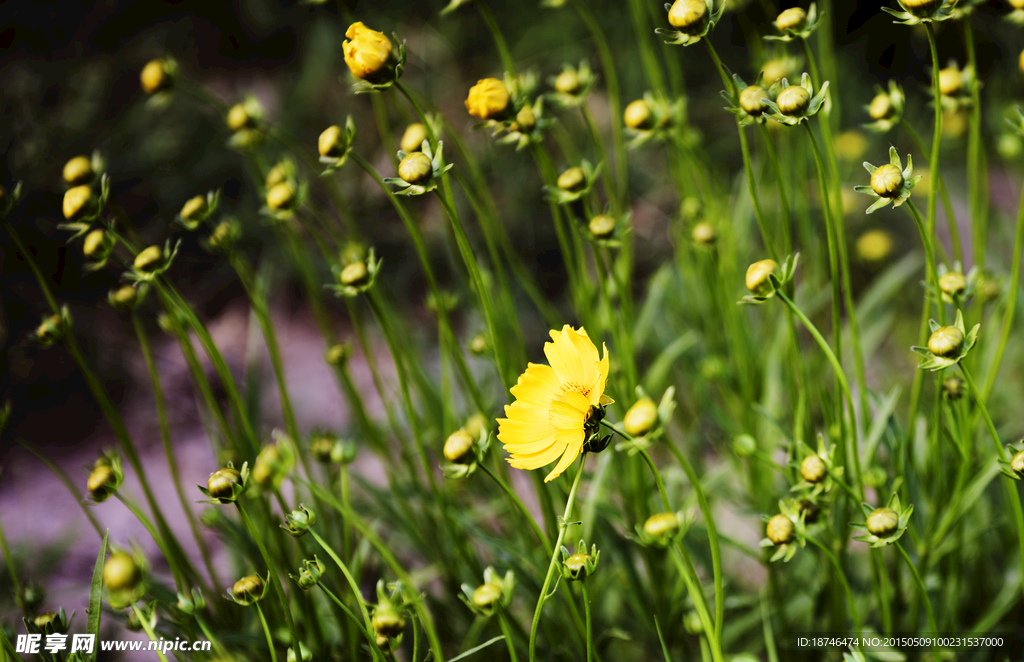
pixel 590 630
pixel 842 579
pixel 689 575
pixel 165 440
pixel 149 630
pixel 562 528
pixel 505 630
pixel 976 166
pixel 499 39
pixel 274 579
pixel 68 483
pixel 924 592
pixel 787 234
pixel 933 167
pixel 947 204
pixel 518 504
pixel 266 631
pixel 929 256
pixel 9 561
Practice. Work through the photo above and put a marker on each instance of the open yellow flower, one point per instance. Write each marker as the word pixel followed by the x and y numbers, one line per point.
pixel 366 51
pixel 554 403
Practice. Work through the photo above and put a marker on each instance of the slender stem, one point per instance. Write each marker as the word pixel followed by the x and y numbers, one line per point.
pixel 840 375
pixel 976 167
pixel 947 204
pixel 165 440
pixel 562 528
pixel 499 39
pixel 924 592
pixel 149 630
pixel 842 578
pixel 933 167
pixel 68 483
pixel 266 631
pixel 1011 305
pixel 505 630
pixel 518 504
pixel 274 579
pixel 590 629
pixel 9 561
pixel 690 579
pixel 929 252
pixel 787 234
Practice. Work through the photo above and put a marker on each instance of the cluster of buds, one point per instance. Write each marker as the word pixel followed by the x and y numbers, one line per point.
pixel 884 525
pixel 104 479
pixel 494 594
pixel 225 485
pixel 327 448
pixel 947 345
pixel 335 144
pixel 510 107
pixel 749 105
pixel 419 172
pixel 249 589
pixel 954 87
pixel 765 277
pixel 691 20
pixel 50 622
pixel 284 193
pixel 793 104
pixel 81 205
pixel 355 277
pixel 372 58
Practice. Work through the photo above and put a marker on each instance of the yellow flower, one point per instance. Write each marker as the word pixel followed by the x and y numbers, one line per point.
pixel 488 99
pixel 366 51
pixel 553 403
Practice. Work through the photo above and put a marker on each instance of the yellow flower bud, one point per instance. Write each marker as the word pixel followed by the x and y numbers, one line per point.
pixel 330 142
pixel 775 70
pixel 750 100
pixel 1017 463
pixel 780 530
pixel 383 643
pixel 337 354
pixel 222 482
pixel 794 101
pixel 413 137
pixel 950 81
pixel 355 274
pixel 851 146
pixel 952 283
pixel 883 522
pixel 78 201
pixel 120 572
pixel 150 259
pixel 458 447
pixel 954 123
pixel 488 99
pixel 238 118
pixel 887 181
pixel 154 77
pixel 567 82
pixel 1021 62
pixel 947 341
pixel 123 298
pixel 415 168
pixel 486 595
pixel 641 417
pixel 526 119
pixel 637 115
pixel 922 8
pixel 276 175
pixel 874 245
pixel 1017 4
pixel 880 107
pixel 93 243
pixel 102 482
pixel 281 196
pixel 249 588
pixel 602 226
pixel 388 622
pixel 704 233
pixel 793 18
pixel 813 469
pixel 757 277
pixel 78 171
pixel 572 179
pixel 194 209
pixel 661 524
pixel 367 51
pixel 689 16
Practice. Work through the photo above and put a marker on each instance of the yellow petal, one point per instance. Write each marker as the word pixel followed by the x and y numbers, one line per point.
pixel 572 449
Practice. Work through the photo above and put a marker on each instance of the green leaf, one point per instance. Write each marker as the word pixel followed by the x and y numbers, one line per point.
pixel 96 593
pixel 478 648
